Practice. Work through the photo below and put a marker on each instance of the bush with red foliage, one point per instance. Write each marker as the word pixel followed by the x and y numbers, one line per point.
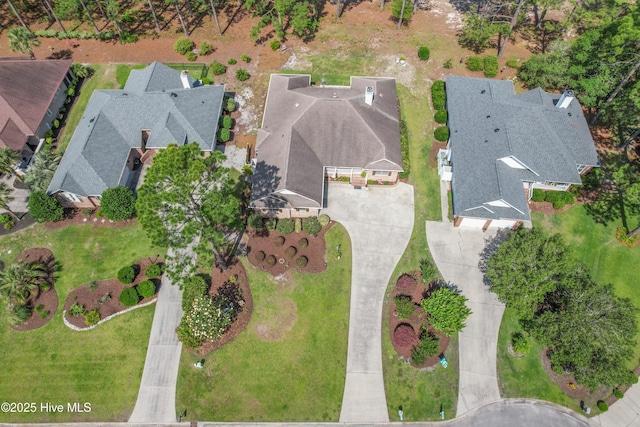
pixel 405 336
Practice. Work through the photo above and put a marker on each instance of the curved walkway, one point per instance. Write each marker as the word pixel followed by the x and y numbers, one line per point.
pixel 379 222
pixel 156 401
pixel 456 252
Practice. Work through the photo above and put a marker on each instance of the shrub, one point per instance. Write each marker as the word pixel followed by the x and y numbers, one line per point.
pixel 290 252
pixel 303 243
pixel 231 105
pixel 39 308
pixel 154 270
pixel 270 223
pixel 427 346
pixel 441 133
pixel 218 68
pixel 404 149
pixel 127 37
pixel 225 135
pixel 271 260
pixel 448 63
pixel 129 296
pixel 602 405
pixel 183 45
pixel 438 95
pixel 76 310
pixel 286 226
pixel 297 226
pixel 404 336
pixel 44 314
pixel 491 66
pixel 206 81
pixel 441 116
pixel 146 288
pixel 255 222
pixel 512 63
pixel 44 208
pixel 428 270
pixel 311 225
pixel 278 241
pixel 207 319
pixel 475 63
pixel 126 275
pixel 93 285
pixel 447 310
pixel 227 121
pixel 404 306
pixel 538 195
pixel 275 44
pixel 519 343
pixel 259 256
pixel 324 220
pixel 302 261
pixel 618 394
pixel 19 313
pixel 242 74
pixel 559 198
pixel 190 56
pixel 193 288
pixel 232 61
pixel 423 53
pixel 91 317
pixel 118 203
pixel 205 48
pixel 245 58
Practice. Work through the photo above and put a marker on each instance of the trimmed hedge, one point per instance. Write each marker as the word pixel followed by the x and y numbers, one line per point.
pixel 491 66
pixel 538 195
pixel 225 135
pixel 146 288
pixel 255 222
pixel 302 261
pixel 154 270
pixel 438 95
pixel 126 275
pixel 475 63
pixel 297 225
pixel 286 226
pixel 303 243
pixel 260 256
pixel 278 241
pixel 441 116
pixel 311 225
pixel 324 219
pixel 218 68
pixel 227 121
pixel 559 198
pixel 271 260
pixel 423 53
pixel 441 133
pixel 602 405
pixel 270 223
pixel 404 148
pixel 290 252
pixel 129 297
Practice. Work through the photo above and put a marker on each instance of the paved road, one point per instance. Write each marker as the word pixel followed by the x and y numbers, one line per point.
pixel 157 396
pixel 379 222
pixel 456 253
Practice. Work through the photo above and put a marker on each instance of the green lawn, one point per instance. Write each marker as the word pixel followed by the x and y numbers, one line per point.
pixel 290 362
pixel 55 364
pixel 336 69
pixel 123 71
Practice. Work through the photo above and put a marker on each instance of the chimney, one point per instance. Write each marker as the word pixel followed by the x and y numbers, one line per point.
pixel 184 76
pixel 368 95
pixel 565 99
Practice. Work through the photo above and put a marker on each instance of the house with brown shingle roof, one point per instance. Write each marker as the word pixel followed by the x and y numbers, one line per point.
pixel 312 134
pixel 31 94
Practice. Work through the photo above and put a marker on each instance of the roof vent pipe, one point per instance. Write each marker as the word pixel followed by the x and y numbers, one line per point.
pixel 368 95
pixel 565 99
pixel 184 76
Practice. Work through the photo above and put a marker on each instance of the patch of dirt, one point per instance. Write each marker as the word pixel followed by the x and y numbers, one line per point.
pixel 93 299
pixel 233 279
pixel 48 299
pixel 78 217
pixel 277 326
pixel 409 284
pixel 547 208
pixel 266 242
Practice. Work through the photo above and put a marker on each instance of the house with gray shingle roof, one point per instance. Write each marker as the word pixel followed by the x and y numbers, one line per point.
pixel 121 129
pixel 311 134
pixel 502 146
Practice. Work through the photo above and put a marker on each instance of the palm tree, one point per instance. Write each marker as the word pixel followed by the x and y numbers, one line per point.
pixel 21 280
pixel 21 40
pixel 6 198
pixel 41 171
pixel 8 159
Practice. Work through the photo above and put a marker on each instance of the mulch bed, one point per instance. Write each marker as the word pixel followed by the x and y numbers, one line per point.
pixel 221 280
pixel 77 217
pixel 409 284
pixel 92 299
pixel 25 221
pixel 265 241
pixel 48 299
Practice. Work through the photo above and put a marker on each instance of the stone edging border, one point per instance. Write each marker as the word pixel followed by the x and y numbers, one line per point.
pixel 88 328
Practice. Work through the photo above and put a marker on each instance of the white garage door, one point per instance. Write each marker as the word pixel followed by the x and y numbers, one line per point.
pixel 472 223
pixel 502 223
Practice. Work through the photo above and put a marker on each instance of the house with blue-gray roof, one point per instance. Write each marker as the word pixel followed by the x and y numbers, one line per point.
pixel 503 145
pixel 122 129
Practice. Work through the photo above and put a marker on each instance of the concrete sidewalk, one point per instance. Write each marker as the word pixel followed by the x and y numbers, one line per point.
pixel 625 412
pixel 156 401
pixel 456 253
pixel 379 222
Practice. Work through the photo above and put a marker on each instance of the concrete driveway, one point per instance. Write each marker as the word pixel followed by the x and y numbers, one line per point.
pixel 625 412
pixel 456 252
pixel 379 222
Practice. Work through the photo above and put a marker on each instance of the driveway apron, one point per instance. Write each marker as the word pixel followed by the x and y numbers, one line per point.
pixel 456 252
pixel 379 222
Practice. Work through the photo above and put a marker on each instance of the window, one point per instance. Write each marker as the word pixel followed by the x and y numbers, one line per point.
pixel 581 168
pixel 70 197
pixel 381 173
pixel 302 209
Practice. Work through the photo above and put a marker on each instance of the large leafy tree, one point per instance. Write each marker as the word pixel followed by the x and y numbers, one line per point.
pixel 189 198
pixel 22 40
pixel 43 207
pixel 447 310
pixel 41 171
pixel 526 267
pixel 21 280
pixel 118 203
pixel 548 71
pixel 300 16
